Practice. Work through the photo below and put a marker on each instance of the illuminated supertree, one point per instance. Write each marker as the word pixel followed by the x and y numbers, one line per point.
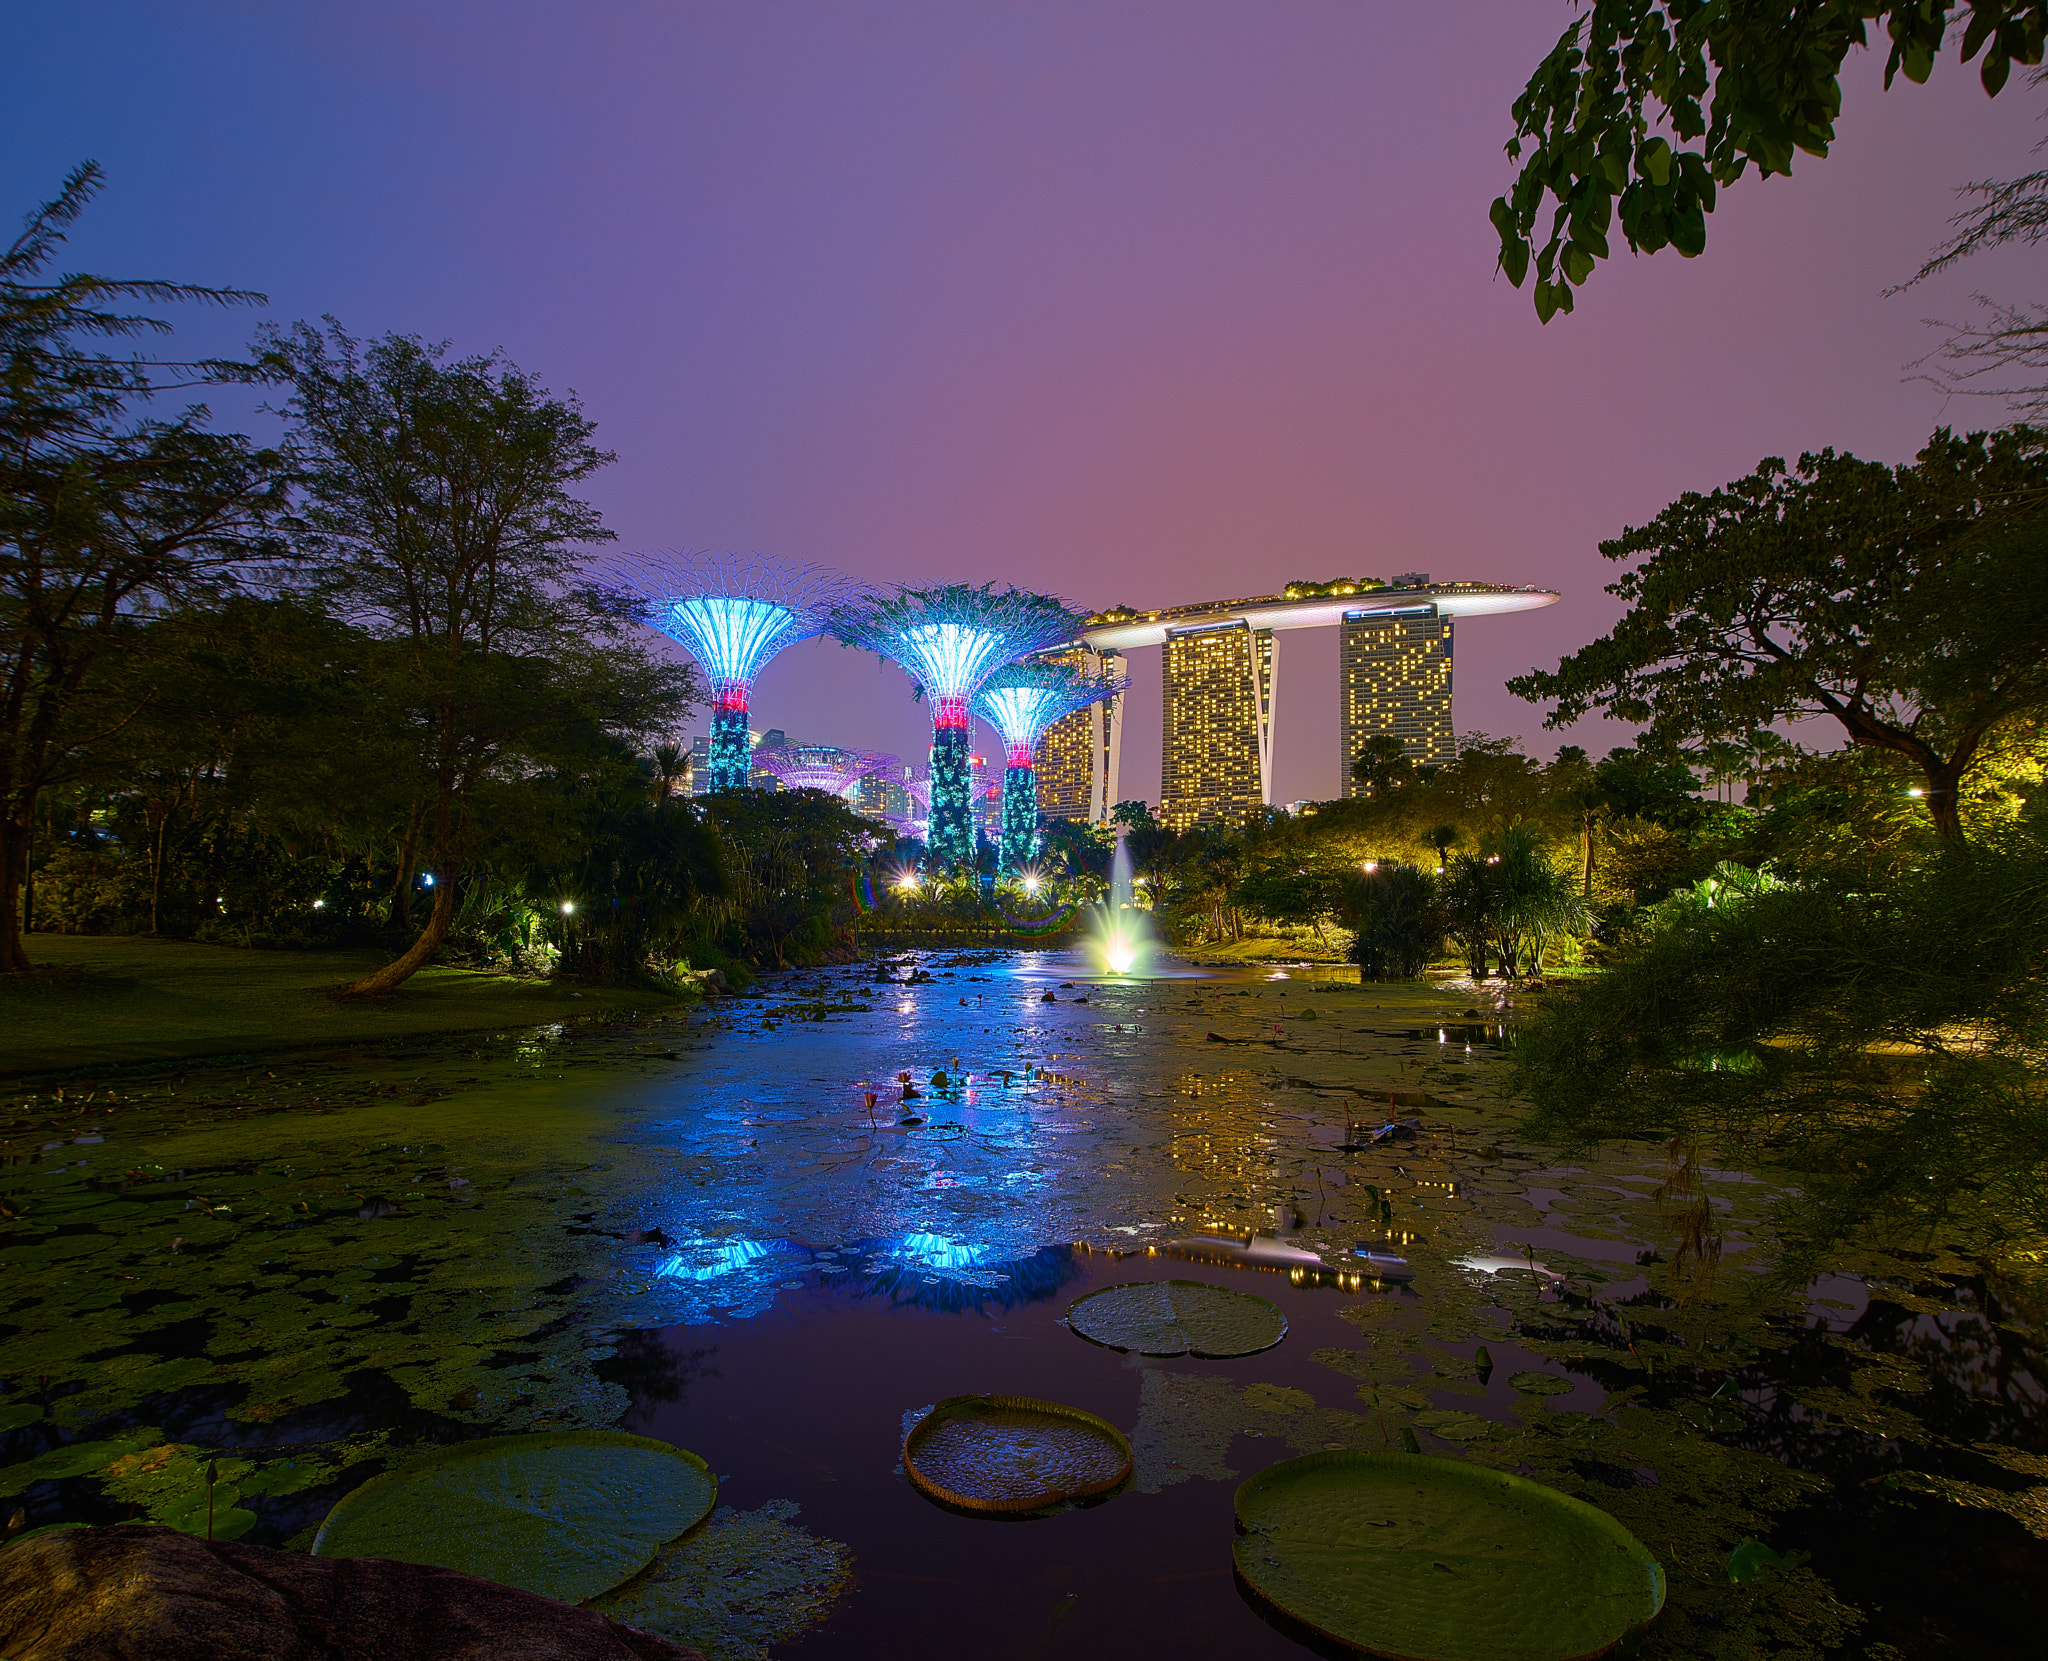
pixel 1022 702
pixel 821 766
pixel 733 613
pixel 950 640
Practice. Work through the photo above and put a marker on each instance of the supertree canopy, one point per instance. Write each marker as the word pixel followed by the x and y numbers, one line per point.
pixel 1022 702
pixel 821 766
pixel 951 640
pixel 733 613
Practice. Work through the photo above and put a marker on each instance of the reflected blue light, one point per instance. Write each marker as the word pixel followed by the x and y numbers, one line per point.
pixel 708 1259
pixel 938 1251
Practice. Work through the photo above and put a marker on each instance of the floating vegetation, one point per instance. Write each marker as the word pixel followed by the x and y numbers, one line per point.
pixel 1013 1453
pixel 1178 1317
pixel 1435 1560
pixel 567 1514
pixel 744 1581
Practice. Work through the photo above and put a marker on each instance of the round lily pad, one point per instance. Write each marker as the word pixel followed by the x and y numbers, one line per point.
pixel 1178 1317
pixel 1542 1384
pixel 567 1514
pixel 1436 1560
pixel 1013 1453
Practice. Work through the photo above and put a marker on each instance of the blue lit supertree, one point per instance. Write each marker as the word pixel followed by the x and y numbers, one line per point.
pixel 951 640
pixel 733 613
pixel 1022 702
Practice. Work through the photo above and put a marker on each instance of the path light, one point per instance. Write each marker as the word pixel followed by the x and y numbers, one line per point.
pixel 907 883
pixel 1031 885
pixel 1368 866
pixel 568 906
pixel 428 879
pixel 1916 791
pixel 317 904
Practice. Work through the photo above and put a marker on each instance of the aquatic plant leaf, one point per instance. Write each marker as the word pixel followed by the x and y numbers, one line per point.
pixel 1178 1317
pixel 745 1580
pixel 1437 1560
pixel 1453 1424
pixel 1013 1453
pixel 567 1514
pixel 18 1414
pixel 1542 1384
pixel 73 1459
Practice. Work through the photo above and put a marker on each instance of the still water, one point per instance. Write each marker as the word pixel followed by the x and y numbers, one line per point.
pixel 699 1228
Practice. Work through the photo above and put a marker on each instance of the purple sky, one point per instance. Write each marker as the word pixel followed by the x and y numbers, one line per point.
pixel 1144 302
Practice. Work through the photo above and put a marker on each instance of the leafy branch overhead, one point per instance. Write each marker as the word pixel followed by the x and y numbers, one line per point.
pixel 1645 108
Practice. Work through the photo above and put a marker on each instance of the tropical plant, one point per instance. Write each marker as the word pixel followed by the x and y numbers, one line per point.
pixel 1396 916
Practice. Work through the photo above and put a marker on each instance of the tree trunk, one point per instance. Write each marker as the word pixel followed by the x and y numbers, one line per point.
pixel 417 954
pixel 1588 834
pixel 14 840
pixel 1944 802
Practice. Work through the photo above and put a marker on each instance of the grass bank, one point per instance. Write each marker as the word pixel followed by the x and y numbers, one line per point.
pixel 128 1000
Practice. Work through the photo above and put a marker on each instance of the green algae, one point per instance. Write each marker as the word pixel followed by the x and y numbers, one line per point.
pixel 741 1582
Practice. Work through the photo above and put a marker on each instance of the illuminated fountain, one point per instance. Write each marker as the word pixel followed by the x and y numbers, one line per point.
pixel 733 613
pixel 1123 939
pixel 951 640
pixel 1022 702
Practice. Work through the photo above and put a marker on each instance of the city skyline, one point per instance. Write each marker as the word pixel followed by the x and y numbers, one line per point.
pixel 1059 295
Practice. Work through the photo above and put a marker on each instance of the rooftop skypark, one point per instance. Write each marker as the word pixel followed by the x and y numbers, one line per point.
pixel 950 640
pixel 1022 702
pixel 732 613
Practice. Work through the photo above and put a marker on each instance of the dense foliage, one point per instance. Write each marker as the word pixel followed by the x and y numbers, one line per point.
pixel 1750 82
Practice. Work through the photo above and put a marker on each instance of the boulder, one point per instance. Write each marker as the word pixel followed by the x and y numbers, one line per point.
pixel 132 1593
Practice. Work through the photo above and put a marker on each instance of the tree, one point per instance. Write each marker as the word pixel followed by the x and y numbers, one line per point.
pixel 441 505
pixel 1752 80
pixel 101 516
pixel 1909 605
pixel 1382 765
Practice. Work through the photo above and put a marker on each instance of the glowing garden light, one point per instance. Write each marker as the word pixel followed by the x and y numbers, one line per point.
pixel 1022 702
pixel 824 767
pixel 732 614
pixel 951 640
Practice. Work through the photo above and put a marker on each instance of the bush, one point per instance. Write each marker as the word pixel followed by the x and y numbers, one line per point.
pixel 1397 916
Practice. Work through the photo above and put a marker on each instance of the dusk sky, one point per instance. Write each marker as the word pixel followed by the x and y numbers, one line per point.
pixel 1142 303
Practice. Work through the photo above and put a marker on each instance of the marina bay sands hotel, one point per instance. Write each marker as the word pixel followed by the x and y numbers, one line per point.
pixel 1222 683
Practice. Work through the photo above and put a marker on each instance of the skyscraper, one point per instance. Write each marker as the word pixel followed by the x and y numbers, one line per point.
pixel 1395 669
pixel 1077 759
pixel 1218 760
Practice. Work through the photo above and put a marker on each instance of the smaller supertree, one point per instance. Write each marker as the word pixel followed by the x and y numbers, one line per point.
pixel 821 766
pixel 733 613
pixel 951 639
pixel 1022 702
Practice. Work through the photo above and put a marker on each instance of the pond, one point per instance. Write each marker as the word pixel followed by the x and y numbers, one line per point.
pixel 696 1226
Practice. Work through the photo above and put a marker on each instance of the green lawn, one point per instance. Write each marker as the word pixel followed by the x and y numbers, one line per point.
pixel 159 1000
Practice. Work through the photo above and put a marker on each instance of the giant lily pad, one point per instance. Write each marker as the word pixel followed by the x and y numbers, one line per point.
pixel 567 1514
pixel 1178 1317
pixel 1013 1453
pixel 1436 1560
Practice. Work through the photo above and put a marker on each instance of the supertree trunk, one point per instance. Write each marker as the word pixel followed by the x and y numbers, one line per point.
pixel 1020 813
pixel 952 817
pixel 732 749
